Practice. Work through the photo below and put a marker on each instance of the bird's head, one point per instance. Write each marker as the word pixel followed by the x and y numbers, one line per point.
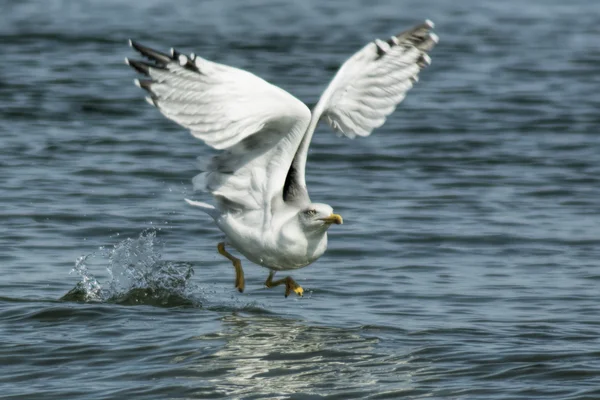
pixel 318 216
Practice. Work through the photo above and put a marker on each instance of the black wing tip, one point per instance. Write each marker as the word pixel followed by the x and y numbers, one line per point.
pixel 144 84
pixel 137 46
pixel 419 36
pixel 187 62
pixel 174 54
pixel 424 61
pixel 149 53
pixel 140 66
pixel 434 38
pixel 160 59
pixel 152 101
pixel 418 32
pixel 147 86
pixel 423 27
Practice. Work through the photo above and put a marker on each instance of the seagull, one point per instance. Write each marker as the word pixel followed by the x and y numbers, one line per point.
pixel 257 180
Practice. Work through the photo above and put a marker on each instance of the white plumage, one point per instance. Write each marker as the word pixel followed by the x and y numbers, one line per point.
pixel 258 182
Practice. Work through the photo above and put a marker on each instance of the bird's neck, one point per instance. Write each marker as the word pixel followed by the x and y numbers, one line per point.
pixel 293 227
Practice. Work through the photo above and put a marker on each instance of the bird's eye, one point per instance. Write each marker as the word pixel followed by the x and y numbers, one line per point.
pixel 311 213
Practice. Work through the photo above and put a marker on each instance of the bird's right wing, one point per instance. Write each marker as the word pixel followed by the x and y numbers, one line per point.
pixel 259 126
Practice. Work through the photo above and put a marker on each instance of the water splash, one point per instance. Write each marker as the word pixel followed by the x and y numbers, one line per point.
pixel 137 275
pixel 89 286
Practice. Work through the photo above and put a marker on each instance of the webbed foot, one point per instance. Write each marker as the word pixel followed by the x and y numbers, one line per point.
pixel 290 284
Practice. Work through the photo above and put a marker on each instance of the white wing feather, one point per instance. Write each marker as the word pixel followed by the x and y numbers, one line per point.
pixel 259 126
pixel 370 84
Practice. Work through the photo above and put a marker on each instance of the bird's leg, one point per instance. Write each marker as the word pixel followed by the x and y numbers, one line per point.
pixel 237 264
pixel 290 284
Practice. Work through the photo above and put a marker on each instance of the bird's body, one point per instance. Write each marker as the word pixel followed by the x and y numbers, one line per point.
pixel 265 247
pixel 257 182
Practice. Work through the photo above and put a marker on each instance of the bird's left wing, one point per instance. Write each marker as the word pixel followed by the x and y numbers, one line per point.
pixel 370 84
pixel 366 89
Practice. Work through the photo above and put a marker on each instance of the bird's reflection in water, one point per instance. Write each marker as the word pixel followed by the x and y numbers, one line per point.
pixel 272 357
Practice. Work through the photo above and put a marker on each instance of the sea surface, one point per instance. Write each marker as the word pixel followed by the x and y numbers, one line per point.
pixel 468 264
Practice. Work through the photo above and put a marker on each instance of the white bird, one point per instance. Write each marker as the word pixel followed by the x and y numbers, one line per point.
pixel 257 182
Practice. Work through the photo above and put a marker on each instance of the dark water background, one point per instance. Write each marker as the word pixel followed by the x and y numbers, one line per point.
pixel 468 264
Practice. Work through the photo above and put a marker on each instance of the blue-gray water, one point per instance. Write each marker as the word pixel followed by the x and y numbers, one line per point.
pixel 467 267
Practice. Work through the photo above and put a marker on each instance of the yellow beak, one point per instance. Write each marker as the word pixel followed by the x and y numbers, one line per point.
pixel 333 219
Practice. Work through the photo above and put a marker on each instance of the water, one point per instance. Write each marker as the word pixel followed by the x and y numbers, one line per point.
pixel 467 267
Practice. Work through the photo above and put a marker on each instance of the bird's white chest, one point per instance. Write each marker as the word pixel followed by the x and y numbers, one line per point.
pixel 284 249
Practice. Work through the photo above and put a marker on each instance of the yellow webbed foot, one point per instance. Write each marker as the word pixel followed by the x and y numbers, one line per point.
pixel 292 286
pixel 299 291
